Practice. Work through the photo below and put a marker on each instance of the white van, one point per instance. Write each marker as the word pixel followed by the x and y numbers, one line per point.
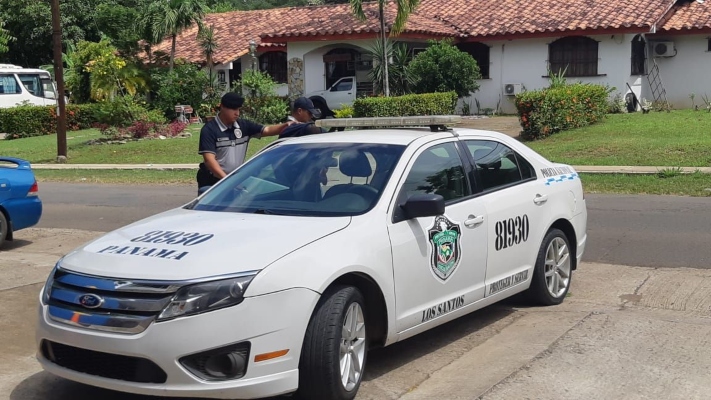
pixel 18 85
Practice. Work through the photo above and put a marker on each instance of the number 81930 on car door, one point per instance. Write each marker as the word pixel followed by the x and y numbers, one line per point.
pixel 276 280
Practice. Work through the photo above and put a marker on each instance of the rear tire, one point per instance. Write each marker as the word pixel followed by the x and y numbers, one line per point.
pixel 335 349
pixel 553 272
pixel 4 229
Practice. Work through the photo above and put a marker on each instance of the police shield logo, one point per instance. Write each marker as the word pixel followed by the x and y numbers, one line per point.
pixel 445 239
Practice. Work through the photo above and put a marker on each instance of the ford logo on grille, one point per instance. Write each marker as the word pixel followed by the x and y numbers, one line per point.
pixel 91 301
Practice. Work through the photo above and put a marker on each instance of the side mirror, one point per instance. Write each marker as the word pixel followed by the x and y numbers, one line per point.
pixel 421 205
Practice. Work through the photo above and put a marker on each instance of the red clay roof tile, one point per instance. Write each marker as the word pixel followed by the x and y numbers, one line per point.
pixel 443 18
pixel 689 16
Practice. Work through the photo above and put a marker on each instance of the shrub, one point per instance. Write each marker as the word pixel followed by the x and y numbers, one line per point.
pixel 442 68
pixel 547 111
pixel 408 105
pixel 343 112
pixel 261 103
pixel 185 85
pixel 123 111
pixel 27 121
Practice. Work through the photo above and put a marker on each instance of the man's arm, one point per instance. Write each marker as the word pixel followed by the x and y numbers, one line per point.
pixel 212 165
pixel 273 130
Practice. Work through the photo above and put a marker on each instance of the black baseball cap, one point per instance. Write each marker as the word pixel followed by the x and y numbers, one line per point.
pixel 308 105
pixel 232 101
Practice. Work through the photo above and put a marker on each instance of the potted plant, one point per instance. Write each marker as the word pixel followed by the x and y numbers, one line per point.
pixel 208 111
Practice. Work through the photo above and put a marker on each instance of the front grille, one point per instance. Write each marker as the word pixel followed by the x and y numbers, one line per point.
pixel 107 304
pixel 106 365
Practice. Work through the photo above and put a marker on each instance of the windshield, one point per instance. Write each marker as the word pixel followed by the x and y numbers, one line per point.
pixel 32 83
pixel 322 179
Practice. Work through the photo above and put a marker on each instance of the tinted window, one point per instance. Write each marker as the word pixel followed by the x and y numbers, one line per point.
pixel 438 170
pixel 325 179
pixel 497 165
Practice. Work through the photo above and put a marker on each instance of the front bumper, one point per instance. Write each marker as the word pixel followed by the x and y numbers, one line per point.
pixel 580 224
pixel 269 323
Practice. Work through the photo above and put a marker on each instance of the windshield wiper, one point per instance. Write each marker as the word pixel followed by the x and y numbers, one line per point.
pixel 267 211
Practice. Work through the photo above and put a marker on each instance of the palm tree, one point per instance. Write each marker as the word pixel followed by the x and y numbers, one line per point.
pixel 174 16
pixel 404 9
pixel 150 15
pixel 209 45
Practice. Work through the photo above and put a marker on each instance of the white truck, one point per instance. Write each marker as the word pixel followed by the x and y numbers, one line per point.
pixel 20 85
pixel 340 94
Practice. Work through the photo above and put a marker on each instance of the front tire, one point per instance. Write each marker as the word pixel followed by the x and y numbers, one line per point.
pixel 335 347
pixel 554 270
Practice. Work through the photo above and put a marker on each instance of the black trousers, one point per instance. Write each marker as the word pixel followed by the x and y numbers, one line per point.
pixel 204 177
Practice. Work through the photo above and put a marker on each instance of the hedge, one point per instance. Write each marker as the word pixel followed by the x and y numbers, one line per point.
pixel 27 121
pixel 547 111
pixel 405 106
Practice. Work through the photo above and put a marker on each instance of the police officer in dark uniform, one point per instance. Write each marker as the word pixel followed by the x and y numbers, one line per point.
pixel 224 140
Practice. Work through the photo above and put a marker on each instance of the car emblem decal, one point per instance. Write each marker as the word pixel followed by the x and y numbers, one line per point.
pixel 445 239
pixel 91 300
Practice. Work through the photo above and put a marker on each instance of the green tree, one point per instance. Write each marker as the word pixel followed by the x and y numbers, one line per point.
pixel 31 23
pixel 5 38
pixel 186 84
pixel 404 9
pixel 116 21
pixel 171 17
pixel 110 75
pixel 443 68
pixel 400 78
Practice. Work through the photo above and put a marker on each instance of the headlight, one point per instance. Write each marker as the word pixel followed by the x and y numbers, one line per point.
pixel 208 296
pixel 47 289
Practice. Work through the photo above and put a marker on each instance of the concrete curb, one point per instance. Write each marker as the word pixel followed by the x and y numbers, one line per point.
pixel 587 169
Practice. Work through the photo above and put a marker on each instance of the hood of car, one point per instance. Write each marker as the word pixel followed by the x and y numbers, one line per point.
pixel 185 244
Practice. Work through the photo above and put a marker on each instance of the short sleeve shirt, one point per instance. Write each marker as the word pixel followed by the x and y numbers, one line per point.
pixel 229 144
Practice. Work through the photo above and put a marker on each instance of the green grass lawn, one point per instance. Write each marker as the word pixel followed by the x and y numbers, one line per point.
pixel 677 138
pixel 43 149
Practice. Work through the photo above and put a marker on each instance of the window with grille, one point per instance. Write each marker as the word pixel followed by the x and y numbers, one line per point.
pixel 576 55
pixel 274 63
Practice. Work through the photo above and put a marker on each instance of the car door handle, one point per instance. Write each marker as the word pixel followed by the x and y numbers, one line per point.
pixel 540 199
pixel 474 221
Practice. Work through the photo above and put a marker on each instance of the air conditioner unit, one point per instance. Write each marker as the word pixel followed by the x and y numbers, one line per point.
pixel 663 49
pixel 512 89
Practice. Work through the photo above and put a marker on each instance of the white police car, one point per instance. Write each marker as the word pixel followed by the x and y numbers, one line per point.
pixel 283 275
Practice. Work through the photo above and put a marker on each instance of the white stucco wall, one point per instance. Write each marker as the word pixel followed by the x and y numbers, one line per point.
pixel 525 61
pixel 685 73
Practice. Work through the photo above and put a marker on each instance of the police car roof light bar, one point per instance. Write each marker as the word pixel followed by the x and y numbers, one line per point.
pixel 438 121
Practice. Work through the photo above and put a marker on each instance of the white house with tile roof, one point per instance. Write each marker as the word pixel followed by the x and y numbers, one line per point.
pixel 648 45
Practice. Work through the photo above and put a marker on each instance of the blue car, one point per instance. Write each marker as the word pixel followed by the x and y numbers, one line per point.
pixel 20 205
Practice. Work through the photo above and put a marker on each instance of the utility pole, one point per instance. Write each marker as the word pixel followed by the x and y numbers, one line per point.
pixel 59 77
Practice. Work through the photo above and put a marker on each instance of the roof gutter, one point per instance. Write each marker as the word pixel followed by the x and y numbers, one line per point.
pixel 664 18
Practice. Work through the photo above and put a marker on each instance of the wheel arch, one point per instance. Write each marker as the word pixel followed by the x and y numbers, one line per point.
pixel 375 305
pixel 569 231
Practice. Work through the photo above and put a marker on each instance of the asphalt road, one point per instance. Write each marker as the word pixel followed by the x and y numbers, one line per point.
pixel 648 231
